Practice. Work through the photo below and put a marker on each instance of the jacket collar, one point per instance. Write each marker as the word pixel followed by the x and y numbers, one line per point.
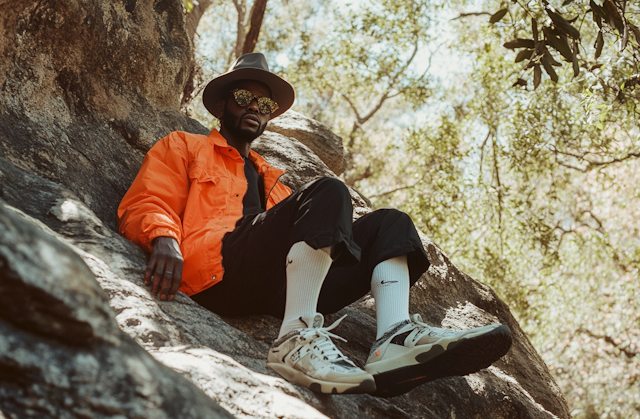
pixel 260 163
pixel 218 139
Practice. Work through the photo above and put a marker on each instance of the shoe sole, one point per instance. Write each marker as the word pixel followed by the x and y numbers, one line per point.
pixel 462 357
pixel 366 386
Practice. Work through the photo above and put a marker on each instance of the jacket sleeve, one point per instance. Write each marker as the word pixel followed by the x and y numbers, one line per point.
pixel 154 204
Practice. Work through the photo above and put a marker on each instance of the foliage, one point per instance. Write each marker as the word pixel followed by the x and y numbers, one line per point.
pixel 365 64
pixel 552 37
pixel 188 5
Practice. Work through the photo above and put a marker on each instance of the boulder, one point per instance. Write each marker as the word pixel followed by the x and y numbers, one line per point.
pixel 315 135
pixel 86 88
pixel 63 354
pixel 281 151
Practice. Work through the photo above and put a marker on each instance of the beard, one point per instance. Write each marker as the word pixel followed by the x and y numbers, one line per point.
pixel 232 124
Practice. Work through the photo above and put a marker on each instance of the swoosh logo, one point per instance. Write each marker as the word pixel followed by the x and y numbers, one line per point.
pixel 387 282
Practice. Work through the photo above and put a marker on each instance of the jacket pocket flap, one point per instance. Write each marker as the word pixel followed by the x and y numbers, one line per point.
pixel 197 172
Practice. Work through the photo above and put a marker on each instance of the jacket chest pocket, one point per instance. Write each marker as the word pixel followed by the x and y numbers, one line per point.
pixel 208 197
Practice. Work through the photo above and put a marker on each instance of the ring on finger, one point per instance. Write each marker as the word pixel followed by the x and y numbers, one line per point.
pixel 168 273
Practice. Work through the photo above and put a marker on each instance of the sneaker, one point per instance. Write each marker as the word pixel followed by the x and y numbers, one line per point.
pixel 412 353
pixel 308 357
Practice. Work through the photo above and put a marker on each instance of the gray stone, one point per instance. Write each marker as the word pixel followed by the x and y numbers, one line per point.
pixel 281 151
pixel 62 354
pixel 315 135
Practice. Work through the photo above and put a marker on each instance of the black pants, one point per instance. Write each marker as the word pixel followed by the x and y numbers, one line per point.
pixel 319 213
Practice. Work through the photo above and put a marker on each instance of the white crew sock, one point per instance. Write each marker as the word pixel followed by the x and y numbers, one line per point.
pixel 390 289
pixel 306 270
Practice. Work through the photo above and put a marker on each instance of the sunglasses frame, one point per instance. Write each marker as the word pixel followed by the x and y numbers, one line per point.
pixel 264 103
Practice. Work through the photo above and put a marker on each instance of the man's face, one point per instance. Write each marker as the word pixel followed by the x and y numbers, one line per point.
pixel 246 123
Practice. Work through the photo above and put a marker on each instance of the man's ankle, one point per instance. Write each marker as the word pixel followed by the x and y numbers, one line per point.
pixel 290 324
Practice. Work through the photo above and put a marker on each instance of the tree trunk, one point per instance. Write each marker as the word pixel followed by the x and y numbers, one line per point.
pixel 257 14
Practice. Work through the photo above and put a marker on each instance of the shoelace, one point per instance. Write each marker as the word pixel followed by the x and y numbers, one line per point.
pixel 320 338
pixel 422 328
pixel 419 329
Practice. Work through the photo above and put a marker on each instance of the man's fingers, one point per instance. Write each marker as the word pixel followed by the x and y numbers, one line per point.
pixel 158 275
pixel 165 265
pixel 168 279
pixel 177 279
pixel 150 267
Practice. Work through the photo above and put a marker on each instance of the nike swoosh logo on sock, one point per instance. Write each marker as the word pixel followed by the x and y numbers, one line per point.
pixel 289 262
pixel 387 282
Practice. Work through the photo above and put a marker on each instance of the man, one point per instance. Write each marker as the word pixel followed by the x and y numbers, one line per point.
pixel 220 227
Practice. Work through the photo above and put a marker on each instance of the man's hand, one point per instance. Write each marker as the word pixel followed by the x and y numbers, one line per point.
pixel 165 268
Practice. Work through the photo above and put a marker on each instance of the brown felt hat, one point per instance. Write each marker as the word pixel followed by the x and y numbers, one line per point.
pixel 251 66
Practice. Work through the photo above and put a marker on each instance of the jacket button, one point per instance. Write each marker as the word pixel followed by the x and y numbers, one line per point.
pixel 214 277
pixel 237 195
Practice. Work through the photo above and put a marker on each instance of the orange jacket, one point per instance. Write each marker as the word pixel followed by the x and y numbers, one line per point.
pixel 190 187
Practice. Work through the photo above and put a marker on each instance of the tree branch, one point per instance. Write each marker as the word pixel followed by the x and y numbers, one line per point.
pixel 484 143
pixel 463 15
pixel 401 187
pixel 194 16
pixel 392 84
pixel 590 164
pixel 615 160
pixel 241 8
pixel 497 177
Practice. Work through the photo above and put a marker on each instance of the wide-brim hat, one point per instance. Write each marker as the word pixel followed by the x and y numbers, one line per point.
pixel 251 66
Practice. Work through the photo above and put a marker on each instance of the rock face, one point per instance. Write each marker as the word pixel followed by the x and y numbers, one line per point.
pixel 63 355
pixel 86 87
pixel 315 135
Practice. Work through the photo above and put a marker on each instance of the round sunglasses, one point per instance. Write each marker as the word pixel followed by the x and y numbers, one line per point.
pixel 244 97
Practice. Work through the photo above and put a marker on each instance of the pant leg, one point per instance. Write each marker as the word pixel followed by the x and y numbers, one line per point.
pixel 381 235
pixel 254 254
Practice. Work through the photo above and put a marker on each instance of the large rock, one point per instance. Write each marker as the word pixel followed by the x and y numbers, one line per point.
pixel 226 357
pixel 86 87
pixel 315 135
pixel 63 355
pixel 282 151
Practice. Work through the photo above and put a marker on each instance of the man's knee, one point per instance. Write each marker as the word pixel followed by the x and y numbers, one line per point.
pixel 332 187
pixel 393 215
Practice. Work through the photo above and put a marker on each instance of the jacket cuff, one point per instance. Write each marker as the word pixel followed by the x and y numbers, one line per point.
pixel 162 232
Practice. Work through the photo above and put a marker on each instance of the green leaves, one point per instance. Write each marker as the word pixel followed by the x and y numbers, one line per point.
pixel 497 16
pixel 558 42
pixel 537 75
pixel 562 25
pixel 188 5
pixel 599 44
pixel 525 54
pixel 549 69
pixel 519 43
pixel 559 30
